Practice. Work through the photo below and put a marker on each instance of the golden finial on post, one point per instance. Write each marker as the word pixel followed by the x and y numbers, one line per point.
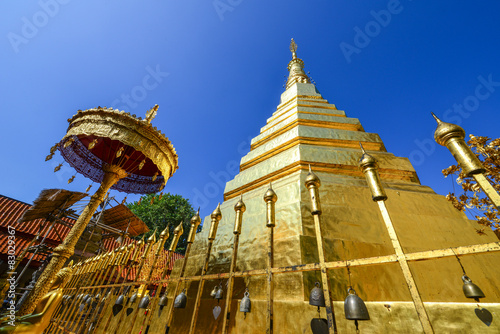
pixel 313 183
pixel 178 231
pixel 270 198
pixel 239 208
pixel 452 136
pixel 216 217
pixel 369 166
pixel 195 222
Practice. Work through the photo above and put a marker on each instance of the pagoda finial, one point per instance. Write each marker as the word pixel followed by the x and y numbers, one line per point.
pixel 296 68
pixel 293 49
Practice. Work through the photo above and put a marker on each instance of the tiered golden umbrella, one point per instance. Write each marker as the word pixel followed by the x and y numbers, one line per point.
pixel 117 150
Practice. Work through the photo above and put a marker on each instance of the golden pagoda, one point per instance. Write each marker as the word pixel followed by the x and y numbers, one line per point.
pixel 403 261
pixel 322 231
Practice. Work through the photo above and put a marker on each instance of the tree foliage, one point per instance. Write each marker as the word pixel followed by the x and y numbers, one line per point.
pixel 473 198
pixel 158 211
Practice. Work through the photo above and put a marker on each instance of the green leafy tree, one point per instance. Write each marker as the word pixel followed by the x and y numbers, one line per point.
pixel 158 212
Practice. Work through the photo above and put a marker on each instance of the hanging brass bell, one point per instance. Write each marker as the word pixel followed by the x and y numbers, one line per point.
pixel 84 299
pixel 354 307
pixel 214 292
pixel 144 302
pixel 133 298
pixel 316 297
pixel 119 300
pixel 163 300
pixel 245 304
pixel 470 289
pixel 220 293
pixel 181 300
pixel 88 301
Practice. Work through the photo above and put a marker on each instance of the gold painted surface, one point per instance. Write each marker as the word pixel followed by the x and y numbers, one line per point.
pixel 306 120
pixel 311 136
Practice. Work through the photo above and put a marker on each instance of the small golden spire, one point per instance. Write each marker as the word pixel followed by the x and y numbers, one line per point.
pixel 366 159
pixel 151 114
pixel 240 205
pixel 179 229
pixel 312 180
pixel 152 238
pixel 446 131
pixel 293 49
pixel 296 68
pixel 164 234
pixel 270 195
pixel 217 214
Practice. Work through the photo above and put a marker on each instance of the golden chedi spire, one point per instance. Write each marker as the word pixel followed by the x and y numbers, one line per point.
pixel 296 68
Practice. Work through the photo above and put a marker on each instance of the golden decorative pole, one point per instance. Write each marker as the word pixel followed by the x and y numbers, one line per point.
pixel 452 136
pixel 270 198
pixel 240 208
pixel 195 222
pixel 313 183
pixel 178 231
pixel 368 165
pixel 163 237
pixel 133 263
pixel 63 252
pixel 216 216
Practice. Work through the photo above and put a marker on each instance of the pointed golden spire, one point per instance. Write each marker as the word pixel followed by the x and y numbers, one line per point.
pixel 270 195
pixel 312 179
pixel 179 229
pixel 296 68
pixel 164 234
pixel 152 237
pixel 446 131
pixel 366 159
pixel 293 49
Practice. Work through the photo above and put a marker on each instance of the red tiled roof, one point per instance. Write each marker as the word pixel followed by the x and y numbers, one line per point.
pixel 12 210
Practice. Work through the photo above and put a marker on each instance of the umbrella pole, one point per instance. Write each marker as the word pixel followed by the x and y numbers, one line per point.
pixel 63 252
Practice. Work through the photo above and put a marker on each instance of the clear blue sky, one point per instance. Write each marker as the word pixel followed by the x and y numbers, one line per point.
pixel 218 70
